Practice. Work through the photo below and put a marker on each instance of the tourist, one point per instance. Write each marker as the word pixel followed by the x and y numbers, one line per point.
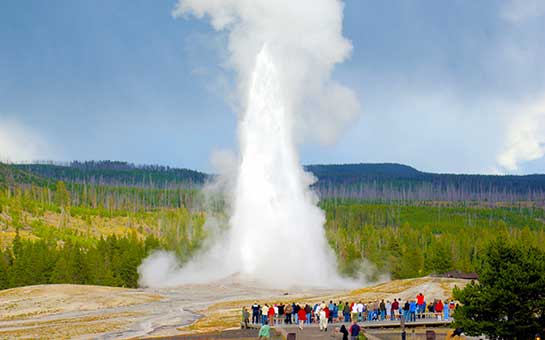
pixel 331 307
pixel 395 310
pixel 264 311
pixel 360 311
pixel 302 315
pixel 308 316
pixel 344 332
pixel 296 309
pixel 255 313
pixel 270 314
pixel 245 317
pixel 388 310
pixel 323 318
pixel 439 309
pixel 354 331
pixel 265 332
pixel 420 303
pixel 382 309
pixel 355 312
pixel 288 310
pixel 333 313
pixel 447 310
pixel 281 309
pixel 346 312
pixel 406 308
pixel 316 310
pixel 412 310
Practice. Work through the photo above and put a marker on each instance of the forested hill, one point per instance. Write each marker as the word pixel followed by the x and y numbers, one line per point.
pixel 382 182
pixel 400 182
pixel 114 173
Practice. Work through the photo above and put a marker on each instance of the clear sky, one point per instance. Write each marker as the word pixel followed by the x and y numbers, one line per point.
pixel 445 86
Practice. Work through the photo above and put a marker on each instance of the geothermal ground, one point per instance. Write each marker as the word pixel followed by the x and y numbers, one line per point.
pixel 72 311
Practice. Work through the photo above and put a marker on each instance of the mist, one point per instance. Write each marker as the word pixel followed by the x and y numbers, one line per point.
pixel 283 54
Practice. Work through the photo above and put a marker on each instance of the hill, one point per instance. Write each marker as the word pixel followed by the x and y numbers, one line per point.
pixel 376 182
pixel 114 173
pixel 11 175
pixel 399 182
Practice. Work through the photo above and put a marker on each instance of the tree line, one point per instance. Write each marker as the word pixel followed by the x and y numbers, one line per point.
pixel 112 261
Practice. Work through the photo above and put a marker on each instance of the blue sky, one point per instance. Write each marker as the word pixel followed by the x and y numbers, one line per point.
pixel 446 86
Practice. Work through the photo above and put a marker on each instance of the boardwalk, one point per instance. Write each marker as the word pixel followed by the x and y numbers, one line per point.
pixel 312 331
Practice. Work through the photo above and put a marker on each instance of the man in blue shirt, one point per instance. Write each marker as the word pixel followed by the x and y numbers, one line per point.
pixel 412 311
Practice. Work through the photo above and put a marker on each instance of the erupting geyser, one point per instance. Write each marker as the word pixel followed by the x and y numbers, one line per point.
pixel 277 230
pixel 283 52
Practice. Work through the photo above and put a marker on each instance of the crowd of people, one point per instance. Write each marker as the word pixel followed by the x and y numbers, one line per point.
pixel 344 312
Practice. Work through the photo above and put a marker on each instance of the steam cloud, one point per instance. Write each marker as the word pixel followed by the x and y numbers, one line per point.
pixel 526 136
pixel 19 143
pixel 283 52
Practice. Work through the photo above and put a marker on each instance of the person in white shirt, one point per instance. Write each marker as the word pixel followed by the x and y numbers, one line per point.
pixel 360 310
pixel 354 313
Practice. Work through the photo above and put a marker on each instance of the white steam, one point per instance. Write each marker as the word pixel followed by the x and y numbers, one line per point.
pixel 283 52
pixel 19 143
pixel 525 140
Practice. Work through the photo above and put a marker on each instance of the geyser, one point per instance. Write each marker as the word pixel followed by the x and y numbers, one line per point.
pixel 283 52
pixel 277 230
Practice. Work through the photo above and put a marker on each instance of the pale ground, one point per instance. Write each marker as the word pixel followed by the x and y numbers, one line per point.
pixel 72 311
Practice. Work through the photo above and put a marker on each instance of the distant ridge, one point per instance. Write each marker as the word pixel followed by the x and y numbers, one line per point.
pixel 391 181
pixel 116 173
pixel 364 181
pixel 363 169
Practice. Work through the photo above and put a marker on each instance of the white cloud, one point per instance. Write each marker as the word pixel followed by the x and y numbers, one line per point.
pixel 517 11
pixel 20 143
pixel 525 139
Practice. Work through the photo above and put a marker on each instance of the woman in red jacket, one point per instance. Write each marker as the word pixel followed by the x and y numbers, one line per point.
pixel 439 309
pixel 271 314
pixel 302 317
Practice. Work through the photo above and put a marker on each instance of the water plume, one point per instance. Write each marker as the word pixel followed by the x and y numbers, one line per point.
pixel 283 53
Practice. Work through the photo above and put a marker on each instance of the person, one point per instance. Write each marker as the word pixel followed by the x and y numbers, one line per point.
pixel 447 310
pixel 245 317
pixel 323 319
pixel 296 309
pixel 355 312
pixel 389 310
pixel 395 310
pixel 302 315
pixel 308 311
pixel 281 310
pixel 420 303
pixel 406 308
pixel 360 311
pixel 340 309
pixel 264 311
pixel 382 309
pixel 346 312
pixel 331 307
pixel 412 310
pixel 270 314
pixel 316 310
pixel 439 309
pixel 354 330
pixel 265 332
pixel 288 310
pixel 344 332
pixel 255 312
